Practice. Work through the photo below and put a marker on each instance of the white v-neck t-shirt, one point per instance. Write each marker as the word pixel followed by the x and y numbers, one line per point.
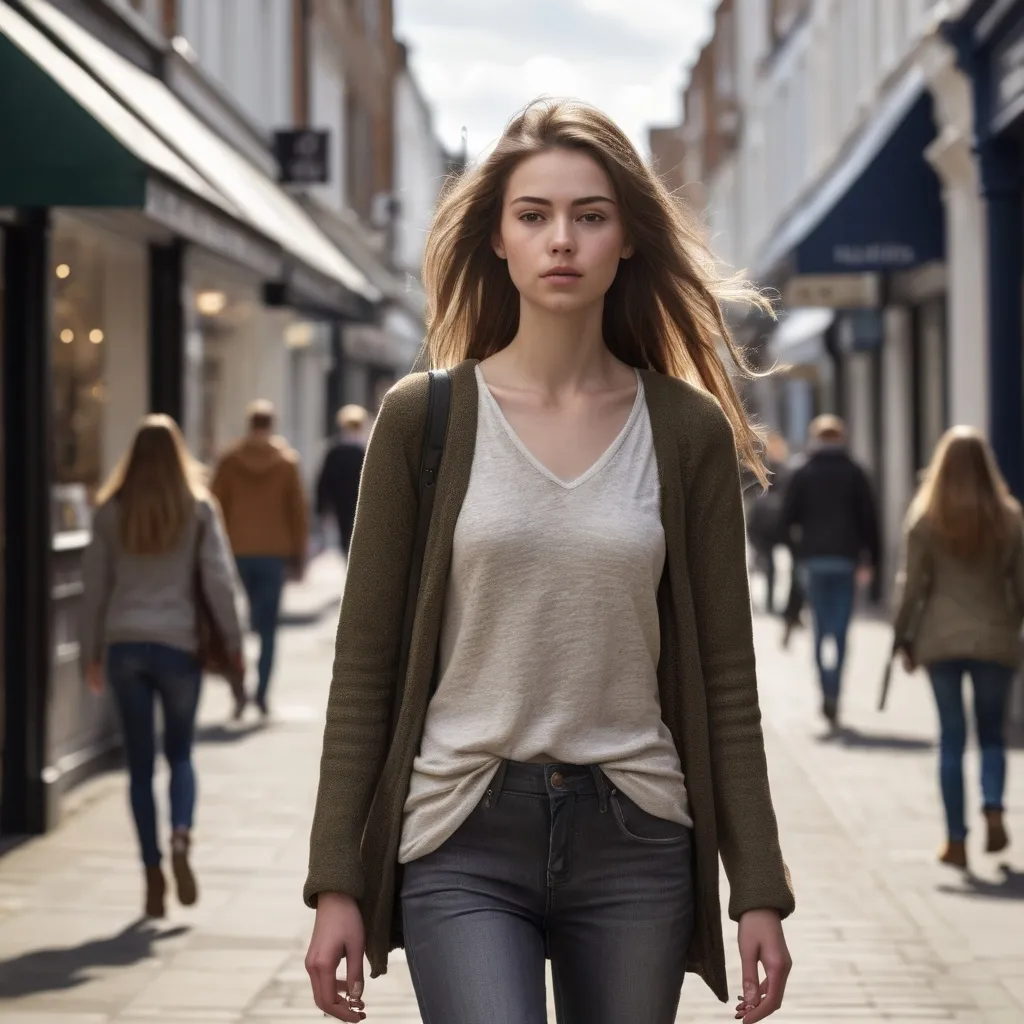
pixel 551 638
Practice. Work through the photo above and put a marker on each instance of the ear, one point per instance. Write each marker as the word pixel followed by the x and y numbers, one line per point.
pixel 498 245
pixel 627 251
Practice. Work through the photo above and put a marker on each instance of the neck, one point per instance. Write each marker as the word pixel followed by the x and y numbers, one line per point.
pixel 260 435
pixel 559 352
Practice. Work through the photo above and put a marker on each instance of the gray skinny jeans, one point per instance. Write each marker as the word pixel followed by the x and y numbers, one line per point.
pixel 554 864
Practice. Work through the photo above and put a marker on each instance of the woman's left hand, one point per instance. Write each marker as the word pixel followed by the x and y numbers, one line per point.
pixel 94 677
pixel 761 941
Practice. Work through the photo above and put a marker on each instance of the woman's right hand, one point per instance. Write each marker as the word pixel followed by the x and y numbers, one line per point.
pixel 337 933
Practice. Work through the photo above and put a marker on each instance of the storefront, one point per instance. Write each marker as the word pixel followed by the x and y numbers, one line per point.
pixel 875 219
pixel 115 244
pixel 989 40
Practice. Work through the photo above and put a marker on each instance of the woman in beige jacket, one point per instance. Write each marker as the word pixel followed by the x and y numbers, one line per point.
pixel 960 600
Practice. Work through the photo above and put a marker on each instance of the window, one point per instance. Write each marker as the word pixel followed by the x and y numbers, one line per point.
pixel 78 363
pixel 784 16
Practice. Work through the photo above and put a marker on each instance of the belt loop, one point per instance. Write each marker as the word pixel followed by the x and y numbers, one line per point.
pixel 494 789
pixel 601 784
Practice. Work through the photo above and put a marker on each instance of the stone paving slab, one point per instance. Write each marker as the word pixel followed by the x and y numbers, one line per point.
pixel 882 932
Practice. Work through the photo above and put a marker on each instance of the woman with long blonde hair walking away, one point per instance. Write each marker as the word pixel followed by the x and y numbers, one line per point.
pixel 959 608
pixel 157 536
pixel 593 741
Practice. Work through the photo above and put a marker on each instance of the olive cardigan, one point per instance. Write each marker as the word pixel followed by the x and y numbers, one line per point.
pixel 706 673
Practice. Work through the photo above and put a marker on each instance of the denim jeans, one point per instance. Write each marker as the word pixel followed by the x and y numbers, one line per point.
pixel 830 586
pixel 263 579
pixel 553 863
pixel 991 684
pixel 138 675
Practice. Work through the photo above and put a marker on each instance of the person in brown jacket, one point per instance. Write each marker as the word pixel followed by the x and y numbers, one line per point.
pixel 959 607
pixel 264 505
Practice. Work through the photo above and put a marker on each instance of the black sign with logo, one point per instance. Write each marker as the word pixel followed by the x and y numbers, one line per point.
pixel 302 157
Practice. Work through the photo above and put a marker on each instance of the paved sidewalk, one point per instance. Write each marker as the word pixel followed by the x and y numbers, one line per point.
pixel 881 932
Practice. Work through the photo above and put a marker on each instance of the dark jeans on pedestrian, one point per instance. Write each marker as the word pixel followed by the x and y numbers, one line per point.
pixel 795 600
pixel 138 675
pixel 263 578
pixel 830 588
pixel 764 562
pixel 991 683
pixel 553 863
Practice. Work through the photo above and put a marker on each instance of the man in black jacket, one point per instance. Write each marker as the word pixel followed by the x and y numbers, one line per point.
pixel 830 521
pixel 338 485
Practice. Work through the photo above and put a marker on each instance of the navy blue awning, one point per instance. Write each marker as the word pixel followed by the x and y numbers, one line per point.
pixel 881 208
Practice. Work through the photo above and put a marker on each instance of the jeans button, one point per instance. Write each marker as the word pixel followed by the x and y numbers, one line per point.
pixel 557 780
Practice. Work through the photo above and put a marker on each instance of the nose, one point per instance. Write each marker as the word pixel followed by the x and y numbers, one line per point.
pixel 562 240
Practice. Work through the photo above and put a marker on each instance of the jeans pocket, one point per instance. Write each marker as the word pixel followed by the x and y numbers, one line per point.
pixel 640 826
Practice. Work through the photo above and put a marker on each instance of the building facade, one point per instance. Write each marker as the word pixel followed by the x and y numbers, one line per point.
pixel 158 254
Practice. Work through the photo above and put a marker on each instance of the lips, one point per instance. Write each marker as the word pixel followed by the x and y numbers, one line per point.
pixel 562 272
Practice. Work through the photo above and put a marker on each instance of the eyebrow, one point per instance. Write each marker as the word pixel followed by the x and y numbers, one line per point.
pixel 586 201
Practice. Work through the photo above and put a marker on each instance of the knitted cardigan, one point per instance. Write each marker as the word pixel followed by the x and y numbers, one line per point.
pixel 706 673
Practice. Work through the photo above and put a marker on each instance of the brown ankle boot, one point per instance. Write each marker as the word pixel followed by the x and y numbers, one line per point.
pixel 184 879
pixel 156 888
pixel 996 838
pixel 954 853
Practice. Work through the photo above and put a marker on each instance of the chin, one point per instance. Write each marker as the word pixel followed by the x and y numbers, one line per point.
pixel 563 302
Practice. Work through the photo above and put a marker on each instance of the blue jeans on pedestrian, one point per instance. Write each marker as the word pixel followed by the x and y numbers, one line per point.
pixel 139 673
pixel 991 684
pixel 263 579
pixel 554 864
pixel 830 589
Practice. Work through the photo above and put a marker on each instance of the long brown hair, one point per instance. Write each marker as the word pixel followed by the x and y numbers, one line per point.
pixel 664 309
pixel 963 496
pixel 156 484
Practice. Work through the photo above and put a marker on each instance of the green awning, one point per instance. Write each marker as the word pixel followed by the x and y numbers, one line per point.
pixel 65 141
pixel 261 202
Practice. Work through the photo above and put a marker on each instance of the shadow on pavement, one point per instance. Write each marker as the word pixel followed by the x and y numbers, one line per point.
pixel 1010 887
pixel 56 970
pixel 845 736
pixel 222 733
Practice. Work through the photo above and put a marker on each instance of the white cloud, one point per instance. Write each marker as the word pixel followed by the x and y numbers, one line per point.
pixel 479 61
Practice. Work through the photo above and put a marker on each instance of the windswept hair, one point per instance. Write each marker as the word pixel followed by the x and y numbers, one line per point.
pixel 156 485
pixel 664 309
pixel 964 497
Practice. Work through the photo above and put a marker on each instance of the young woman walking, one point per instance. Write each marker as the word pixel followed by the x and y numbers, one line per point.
pixel 960 604
pixel 156 536
pixel 594 741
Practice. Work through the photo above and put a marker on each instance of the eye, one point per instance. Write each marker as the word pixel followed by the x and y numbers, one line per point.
pixel 592 218
pixel 530 217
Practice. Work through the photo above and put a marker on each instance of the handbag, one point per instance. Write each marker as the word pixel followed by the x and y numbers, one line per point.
pixel 904 643
pixel 439 398
pixel 212 653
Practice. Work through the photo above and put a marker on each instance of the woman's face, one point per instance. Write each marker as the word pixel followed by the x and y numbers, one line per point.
pixel 561 231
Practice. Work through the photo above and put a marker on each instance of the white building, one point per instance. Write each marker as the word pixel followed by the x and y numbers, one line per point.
pixel 851 189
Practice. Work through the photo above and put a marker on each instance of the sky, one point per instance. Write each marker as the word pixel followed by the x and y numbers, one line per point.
pixel 479 61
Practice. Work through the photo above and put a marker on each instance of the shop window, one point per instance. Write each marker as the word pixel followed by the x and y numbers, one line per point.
pixel 78 359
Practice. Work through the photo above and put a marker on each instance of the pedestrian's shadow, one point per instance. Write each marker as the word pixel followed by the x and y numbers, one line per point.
pixel 1010 887
pixel 854 739
pixel 57 970
pixel 224 734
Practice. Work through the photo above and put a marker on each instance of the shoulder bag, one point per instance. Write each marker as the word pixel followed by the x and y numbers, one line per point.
pixel 212 653
pixel 438 405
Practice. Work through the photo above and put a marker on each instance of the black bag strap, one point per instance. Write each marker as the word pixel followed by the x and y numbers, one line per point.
pixel 439 402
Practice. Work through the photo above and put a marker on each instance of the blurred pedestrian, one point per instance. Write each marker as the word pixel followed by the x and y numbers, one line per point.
pixel 337 487
pixel 156 536
pixel 959 609
pixel 792 613
pixel 264 504
pixel 831 521
pixel 766 514
pixel 593 743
